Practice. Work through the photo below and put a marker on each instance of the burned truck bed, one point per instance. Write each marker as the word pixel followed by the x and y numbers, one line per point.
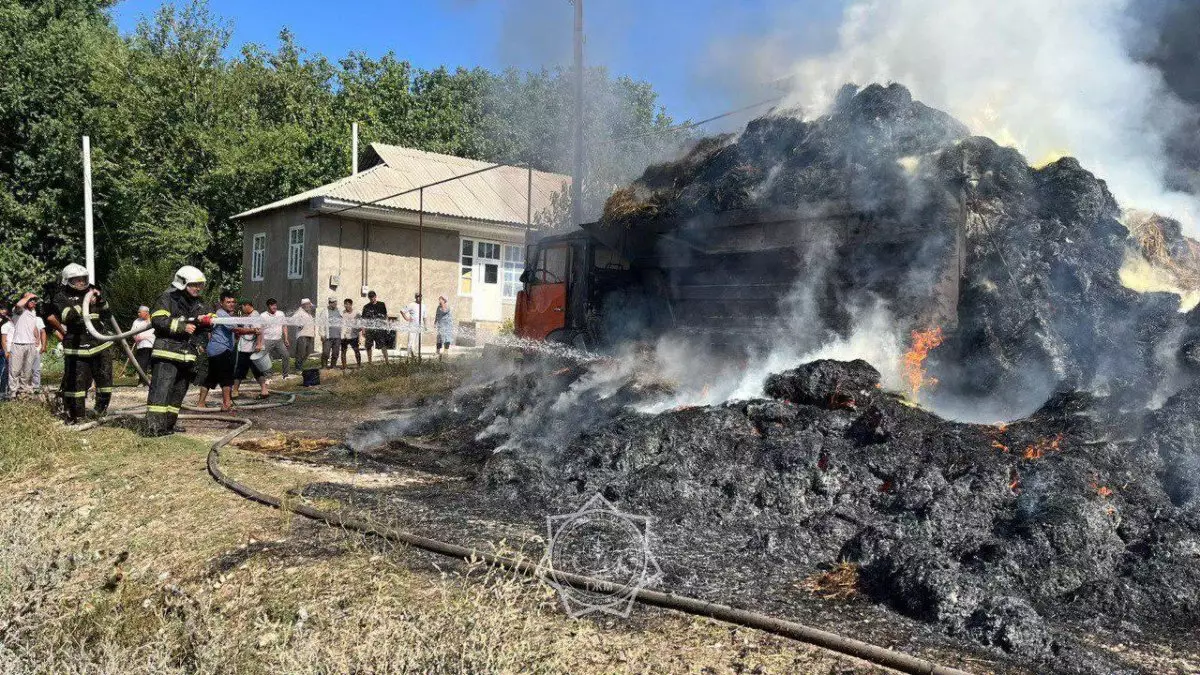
pixel 750 272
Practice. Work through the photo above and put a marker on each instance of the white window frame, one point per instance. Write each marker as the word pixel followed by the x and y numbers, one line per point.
pixel 258 256
pixel 295 259
pixel 466 265
pixel 515 266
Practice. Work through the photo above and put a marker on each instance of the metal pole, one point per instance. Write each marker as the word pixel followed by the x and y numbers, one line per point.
pixel 420 269
pixel 88 234
pixel 577 178
pixel 354 149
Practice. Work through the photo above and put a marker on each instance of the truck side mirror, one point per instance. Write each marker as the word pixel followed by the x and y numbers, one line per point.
pixel 526 276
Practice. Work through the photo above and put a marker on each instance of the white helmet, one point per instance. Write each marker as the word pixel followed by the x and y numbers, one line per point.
pixel 188 275
pixel 73 271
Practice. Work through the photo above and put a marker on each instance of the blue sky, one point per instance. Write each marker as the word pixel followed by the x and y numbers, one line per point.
pixel 670 44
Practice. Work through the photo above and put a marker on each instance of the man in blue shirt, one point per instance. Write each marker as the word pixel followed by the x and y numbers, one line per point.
pixel 221 355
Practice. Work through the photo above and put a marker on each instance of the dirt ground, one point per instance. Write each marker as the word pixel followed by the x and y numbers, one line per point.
pixel 122 555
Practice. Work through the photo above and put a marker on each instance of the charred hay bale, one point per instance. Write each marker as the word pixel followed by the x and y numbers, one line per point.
pixel 1173 434
pixel 1012 625
pixel 826 383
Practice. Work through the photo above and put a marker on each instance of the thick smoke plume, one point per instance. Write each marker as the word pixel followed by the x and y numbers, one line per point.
pixel 1105 81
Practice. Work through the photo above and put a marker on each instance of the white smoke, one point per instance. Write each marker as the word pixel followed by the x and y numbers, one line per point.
pixel 1049 78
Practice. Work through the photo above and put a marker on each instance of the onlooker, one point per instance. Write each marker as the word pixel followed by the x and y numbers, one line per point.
pixel 376 337
pixel 443 322
pixel 350 332
pixel 306 332
pixel 414 314
pixel 25 341
pixel 143 342
pixel 221 355
pixel 249 354
pixel 6 329
pixel 37 357
pixel 331 341
pixel 275 336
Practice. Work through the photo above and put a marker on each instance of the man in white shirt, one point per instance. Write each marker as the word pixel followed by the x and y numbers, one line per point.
pixel 249 346
pixel 306 332
pixel 414 314
pixel 143 342
pixel 331 340
pixel 350 333
pixel 275 336
pixel 27 340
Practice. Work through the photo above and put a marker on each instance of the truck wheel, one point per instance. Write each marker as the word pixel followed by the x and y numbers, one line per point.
pixel 572 338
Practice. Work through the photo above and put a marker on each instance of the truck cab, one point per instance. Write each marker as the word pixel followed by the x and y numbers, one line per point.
pixel 565 283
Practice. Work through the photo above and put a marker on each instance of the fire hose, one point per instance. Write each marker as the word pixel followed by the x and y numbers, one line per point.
pixel 697 607
pixel 782 627
pixel 119 337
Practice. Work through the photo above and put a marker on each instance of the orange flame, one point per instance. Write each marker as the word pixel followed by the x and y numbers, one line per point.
pixel 1041 447
pixel 914 359
pixel 1102 490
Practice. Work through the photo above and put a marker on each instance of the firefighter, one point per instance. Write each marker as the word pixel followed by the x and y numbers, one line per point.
pixel 178 320
pixel 86 360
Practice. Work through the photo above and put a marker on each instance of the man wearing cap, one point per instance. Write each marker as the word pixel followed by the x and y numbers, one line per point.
pixel 143 342
pixel 375 310
pixel 25 342
pixel 306 332
pixel 332 337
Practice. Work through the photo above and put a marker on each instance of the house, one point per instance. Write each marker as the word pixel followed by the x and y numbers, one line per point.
pixel 465 239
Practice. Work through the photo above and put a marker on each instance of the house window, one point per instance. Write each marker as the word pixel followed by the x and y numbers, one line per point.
pixel 258 256
pixel 295 269
pixel 514 262
pixel 489 250
pixel 466 267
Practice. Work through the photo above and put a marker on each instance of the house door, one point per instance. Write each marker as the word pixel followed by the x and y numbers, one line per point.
pixel 487 305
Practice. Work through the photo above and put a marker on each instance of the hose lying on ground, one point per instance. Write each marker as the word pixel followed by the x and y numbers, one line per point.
pixel 789 629
pixel 777 626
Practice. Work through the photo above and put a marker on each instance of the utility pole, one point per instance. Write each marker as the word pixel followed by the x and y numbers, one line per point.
pixel 577 177
pixel 354 149
pixel 88 234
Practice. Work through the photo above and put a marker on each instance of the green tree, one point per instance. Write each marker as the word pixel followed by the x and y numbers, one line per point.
pixel 184 136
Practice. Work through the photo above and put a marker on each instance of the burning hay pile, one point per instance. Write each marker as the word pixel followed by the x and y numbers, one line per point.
pixel 1083 514
pixel 1015 537
pixel 1039 252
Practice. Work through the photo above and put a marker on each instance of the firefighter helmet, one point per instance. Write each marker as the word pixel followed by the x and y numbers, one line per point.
pixel 188 275
pixel 73 271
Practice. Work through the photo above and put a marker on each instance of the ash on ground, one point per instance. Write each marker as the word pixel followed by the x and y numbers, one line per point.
pixel 1014 538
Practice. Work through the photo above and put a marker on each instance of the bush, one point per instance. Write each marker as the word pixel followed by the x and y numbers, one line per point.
pixel 136 284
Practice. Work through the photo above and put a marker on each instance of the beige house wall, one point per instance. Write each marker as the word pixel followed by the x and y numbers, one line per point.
pixel 388 264
pixel 275 282
pixel 342 255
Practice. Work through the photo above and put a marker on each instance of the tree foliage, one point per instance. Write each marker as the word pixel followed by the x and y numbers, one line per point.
pixel 184 135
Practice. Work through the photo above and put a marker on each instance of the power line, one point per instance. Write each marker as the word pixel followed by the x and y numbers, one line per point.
pixel 689 125
pixel 526 165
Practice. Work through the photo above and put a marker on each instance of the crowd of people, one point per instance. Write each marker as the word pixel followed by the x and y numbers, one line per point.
pixel 178 343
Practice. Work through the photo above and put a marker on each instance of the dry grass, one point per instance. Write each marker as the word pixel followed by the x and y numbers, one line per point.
pixel 838 583
pixel 120 555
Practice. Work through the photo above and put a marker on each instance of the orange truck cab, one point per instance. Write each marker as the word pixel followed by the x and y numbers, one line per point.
pixel 564 281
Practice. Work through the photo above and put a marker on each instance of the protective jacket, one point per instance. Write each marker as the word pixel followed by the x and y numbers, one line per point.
pixel 68 305
pixel 169 320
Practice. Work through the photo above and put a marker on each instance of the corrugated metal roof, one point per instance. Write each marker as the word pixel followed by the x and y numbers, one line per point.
pixel 498 195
